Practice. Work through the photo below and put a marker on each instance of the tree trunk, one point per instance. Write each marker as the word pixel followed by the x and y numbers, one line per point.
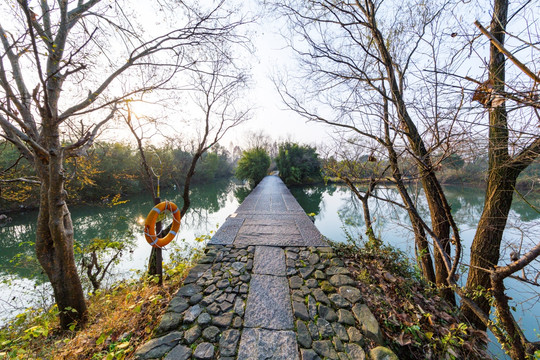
pixel 441 228
pixel 54 238
pixel 423 254
pixel 367 219
pixel 513 340
pixel 155 264
pixel 430 183
pixel 365 206
pixel 485 249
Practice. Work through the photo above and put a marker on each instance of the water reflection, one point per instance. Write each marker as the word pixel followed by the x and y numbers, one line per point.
pixel 336 208
pixel 340 217
pixel 210 205
pixel 241 193
pixel 310 197
pixel 466 203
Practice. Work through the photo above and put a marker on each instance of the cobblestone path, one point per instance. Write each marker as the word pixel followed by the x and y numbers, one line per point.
pixel 268 287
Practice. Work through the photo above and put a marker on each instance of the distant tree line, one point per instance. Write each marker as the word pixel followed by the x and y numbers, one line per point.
pixel 451 169
pixel 110 168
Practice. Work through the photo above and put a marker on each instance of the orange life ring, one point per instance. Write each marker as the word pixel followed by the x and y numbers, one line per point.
pixel 150 224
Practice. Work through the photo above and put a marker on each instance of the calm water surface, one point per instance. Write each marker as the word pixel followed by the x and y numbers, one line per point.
pixel 337 213
pixel 24 285
pixel 340 213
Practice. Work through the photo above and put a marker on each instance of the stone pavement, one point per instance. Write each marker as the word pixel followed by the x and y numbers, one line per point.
pixel 268 287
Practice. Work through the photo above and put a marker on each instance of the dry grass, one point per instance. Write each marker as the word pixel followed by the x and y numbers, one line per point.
pixel 120 320
pixel 416 321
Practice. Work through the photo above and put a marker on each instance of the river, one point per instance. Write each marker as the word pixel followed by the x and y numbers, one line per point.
pixel 338 213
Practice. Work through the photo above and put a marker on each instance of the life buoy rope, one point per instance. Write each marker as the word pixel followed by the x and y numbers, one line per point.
pixel 150 224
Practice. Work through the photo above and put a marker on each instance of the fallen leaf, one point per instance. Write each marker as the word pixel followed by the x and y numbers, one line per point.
pixel 389 277
pixel 445 316
pixel 403 339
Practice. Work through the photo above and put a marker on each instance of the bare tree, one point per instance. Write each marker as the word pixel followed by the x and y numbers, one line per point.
pixel 357 61
pixel 217 91
pixel 216 86
pixel 349 163
pixel 259 139
pixel 371 67
pixel 67 64
pixel 503 167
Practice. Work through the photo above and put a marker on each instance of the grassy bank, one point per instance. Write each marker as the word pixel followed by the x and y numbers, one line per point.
pixel 119 320
pixel 416 321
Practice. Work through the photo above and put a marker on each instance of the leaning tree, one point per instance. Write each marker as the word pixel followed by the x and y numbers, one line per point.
pixel 65 68
pixel 353 61
pixel 364 56
pixel 513 140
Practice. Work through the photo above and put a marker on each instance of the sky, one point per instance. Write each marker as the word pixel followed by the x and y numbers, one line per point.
pixel 271 56
pixel 269 114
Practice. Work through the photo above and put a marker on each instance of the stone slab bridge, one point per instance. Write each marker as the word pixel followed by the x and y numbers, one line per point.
pixel 268 287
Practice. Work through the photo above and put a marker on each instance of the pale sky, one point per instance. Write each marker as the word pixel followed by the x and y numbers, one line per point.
pixel 271 57
pixel 269 114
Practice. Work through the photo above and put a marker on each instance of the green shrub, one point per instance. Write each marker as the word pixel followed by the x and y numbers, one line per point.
pixel 253 165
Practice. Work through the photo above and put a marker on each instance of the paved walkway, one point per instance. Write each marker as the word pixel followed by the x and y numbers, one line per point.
pixel 269 216
pixel 268 287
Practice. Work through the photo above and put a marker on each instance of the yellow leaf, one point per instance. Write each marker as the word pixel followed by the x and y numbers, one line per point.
pixel 123 345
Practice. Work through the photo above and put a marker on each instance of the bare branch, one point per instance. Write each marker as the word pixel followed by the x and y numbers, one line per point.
pixel 26 180
pixel 502 49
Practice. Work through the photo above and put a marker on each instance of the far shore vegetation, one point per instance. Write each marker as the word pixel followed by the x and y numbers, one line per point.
pixel 114 169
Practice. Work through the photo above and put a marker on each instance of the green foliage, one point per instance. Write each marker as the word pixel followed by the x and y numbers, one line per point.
pixel 182 255
pixel 298 164
pixel 355 169
pixel 454 161
pixel 99 256
pixel 12 166
pixel 25 259
pixel 122 317
pixel 213 165
pixel 18 334
pixel 111 168
pixel 253 165
pixel 241 193
pixel 393 259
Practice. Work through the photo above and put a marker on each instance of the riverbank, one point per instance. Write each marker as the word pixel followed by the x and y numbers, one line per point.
pixel 104 199
pixel 414 321
pixel 336 217
pixel 120 319
pixel 528 184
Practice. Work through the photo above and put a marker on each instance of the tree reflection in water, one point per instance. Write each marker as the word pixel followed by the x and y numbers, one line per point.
pixel 241 193
pixel 212 203
pixel 310 197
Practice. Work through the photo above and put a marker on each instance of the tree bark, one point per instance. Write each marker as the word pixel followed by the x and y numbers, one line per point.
pixel 423 254
pixel 54 236
pixel 430 183
pixel 485 249
pixel 514 341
